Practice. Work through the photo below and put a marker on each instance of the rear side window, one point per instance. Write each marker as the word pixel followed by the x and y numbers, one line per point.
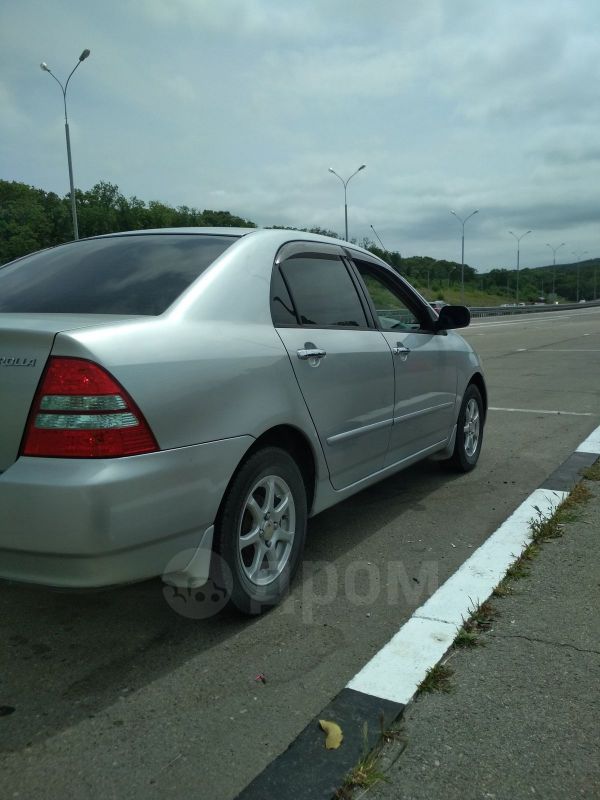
pixel 140 274
pixel 323 292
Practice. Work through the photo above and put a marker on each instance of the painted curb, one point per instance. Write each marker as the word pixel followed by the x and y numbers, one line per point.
pixel 379 692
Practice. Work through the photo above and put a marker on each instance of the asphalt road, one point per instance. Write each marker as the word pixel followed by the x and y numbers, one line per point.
pixel 116 695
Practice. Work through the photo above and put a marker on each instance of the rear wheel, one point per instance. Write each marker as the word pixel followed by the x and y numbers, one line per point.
pixel 261 529
pixel 469 431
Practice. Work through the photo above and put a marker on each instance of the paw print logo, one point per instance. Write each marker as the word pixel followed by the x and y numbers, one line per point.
pixel 198 601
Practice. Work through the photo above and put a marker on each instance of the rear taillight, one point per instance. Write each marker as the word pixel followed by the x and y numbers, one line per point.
pixel 80 411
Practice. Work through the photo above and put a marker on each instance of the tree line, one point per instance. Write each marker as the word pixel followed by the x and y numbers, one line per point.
pixel 32 219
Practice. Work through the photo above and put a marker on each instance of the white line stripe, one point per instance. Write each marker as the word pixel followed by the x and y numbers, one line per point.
pixel 591 444
pixel 536 318
pixel 545 411
pixel 395 672
pixel 547 350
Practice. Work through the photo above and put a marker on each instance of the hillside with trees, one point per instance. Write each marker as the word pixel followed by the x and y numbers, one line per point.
pixel 31 219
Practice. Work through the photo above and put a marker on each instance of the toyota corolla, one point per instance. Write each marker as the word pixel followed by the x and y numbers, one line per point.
pixel 171 395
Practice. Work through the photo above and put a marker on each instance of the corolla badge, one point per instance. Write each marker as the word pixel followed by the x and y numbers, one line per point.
pixel 17 361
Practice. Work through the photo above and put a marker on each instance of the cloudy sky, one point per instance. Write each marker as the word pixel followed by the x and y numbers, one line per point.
pixel 242 105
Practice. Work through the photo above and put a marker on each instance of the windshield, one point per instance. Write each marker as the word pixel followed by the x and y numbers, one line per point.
pixel 141 274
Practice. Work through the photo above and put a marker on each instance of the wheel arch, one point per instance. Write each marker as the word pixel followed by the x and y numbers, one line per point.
pixel 294 442
pixel 478 381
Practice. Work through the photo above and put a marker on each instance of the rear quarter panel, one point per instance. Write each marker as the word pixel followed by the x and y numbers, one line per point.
pixel 198 381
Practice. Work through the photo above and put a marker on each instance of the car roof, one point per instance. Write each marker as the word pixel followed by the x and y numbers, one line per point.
pixel 277 236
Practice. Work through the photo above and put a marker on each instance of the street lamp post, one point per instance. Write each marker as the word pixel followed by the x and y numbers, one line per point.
pixel 47 69
pixel 518 238
pixel 462 257
pixel 578 254
pixel 346 182
pixel 554 249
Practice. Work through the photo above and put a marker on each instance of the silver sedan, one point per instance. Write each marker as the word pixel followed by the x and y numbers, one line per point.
pixel 178 403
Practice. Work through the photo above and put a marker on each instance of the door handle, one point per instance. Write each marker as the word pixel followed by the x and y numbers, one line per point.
pixel 304 355
pixel 401 350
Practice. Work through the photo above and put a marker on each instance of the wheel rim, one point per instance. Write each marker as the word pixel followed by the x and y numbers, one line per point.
pixel 472 427
pixel 266 530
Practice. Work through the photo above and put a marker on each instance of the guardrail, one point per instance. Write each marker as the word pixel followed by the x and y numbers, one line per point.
pixel 498 311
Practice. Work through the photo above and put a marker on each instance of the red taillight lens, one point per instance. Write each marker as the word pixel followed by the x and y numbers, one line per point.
pixel 80 411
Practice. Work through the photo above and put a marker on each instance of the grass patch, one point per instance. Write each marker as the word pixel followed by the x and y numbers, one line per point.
pixel 521 568
pixel 504 588
pixel 544 529
pixel 437 679
pixel 466 637
pixel 367 772
pixel 483 617
pixel 592 473
pixel 365 775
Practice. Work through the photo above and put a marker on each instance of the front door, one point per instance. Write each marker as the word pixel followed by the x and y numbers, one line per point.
pixel 424 365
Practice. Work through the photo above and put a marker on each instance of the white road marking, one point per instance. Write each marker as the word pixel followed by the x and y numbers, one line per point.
pixel 545 411
pixel 547 317
pixel 395 672
pixel 554 350
pixel 591 444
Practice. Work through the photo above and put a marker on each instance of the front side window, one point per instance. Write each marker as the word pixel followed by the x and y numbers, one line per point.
pixel 392 311
pixel 323 291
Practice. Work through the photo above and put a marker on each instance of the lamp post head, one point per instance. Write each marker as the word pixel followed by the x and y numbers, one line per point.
pixel 44 67
pixel 84 55
pixel 362 166
pixel 331 169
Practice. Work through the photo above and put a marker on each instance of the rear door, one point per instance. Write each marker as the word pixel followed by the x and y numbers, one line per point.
pixel 424 362
pixel 343 365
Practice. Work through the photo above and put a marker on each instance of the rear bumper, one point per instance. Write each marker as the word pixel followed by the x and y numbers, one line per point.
pixel 72 523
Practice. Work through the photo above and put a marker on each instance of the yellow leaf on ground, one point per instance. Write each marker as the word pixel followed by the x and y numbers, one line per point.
pixel 334 734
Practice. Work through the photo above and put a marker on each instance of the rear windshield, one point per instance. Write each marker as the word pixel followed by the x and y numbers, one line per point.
pixel 140 274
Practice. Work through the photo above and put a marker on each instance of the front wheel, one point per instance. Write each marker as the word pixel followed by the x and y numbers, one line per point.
pixel 261 529
pixel 469 431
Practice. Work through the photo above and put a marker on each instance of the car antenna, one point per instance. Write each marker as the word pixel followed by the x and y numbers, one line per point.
pixel 379 240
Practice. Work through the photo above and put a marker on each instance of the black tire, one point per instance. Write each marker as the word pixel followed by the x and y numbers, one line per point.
pixel 466 455
pixel 239 516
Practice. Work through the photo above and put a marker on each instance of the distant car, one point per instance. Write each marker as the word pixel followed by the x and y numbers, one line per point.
pixel 582 301
pixel 175 395
pixel 437 305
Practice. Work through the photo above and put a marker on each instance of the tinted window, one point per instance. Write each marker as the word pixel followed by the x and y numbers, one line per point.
pixel 116 275
pixel 391 310
pixel 390 304
pixel 282 308
pixel 323 292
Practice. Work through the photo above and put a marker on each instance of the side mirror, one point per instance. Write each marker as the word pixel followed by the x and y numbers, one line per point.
pixel 453 317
